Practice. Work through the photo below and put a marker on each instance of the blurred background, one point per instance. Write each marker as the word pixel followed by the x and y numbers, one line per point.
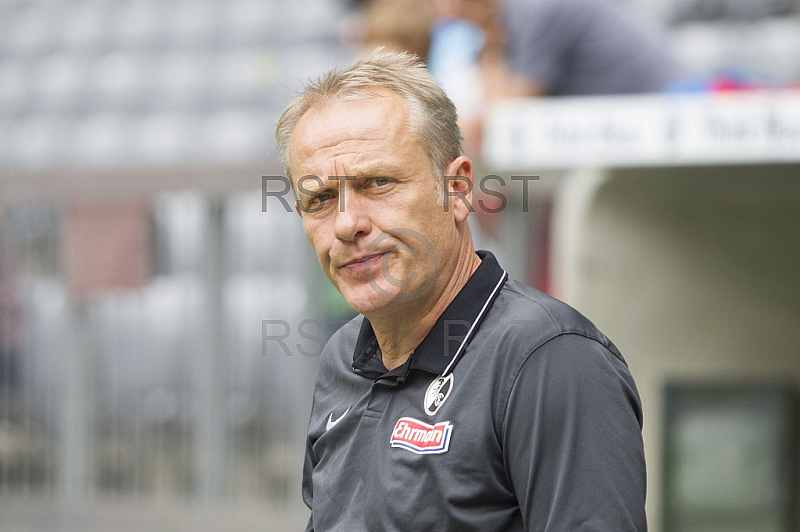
pixel 159 307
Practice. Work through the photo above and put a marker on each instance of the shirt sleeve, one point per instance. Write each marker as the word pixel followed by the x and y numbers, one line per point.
pixel 539 35
pixel 307 489
pixel 572 440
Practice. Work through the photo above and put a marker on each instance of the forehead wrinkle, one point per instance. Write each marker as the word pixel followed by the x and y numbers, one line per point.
pixel 339 159
pixel 337 145
pixel 326 137
pixel 323 139
pixel 337 165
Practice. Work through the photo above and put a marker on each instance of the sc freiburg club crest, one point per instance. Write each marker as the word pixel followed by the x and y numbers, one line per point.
pixel 437 393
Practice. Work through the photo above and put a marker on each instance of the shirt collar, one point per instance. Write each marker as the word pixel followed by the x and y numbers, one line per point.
pixel 445 343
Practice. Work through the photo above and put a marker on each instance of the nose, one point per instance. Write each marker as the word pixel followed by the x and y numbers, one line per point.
pixel 352 219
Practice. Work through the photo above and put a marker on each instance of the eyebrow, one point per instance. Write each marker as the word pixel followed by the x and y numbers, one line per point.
pixel 312 186
pixel 378 170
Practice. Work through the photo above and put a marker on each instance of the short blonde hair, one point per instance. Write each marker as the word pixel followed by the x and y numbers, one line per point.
pixel 432 116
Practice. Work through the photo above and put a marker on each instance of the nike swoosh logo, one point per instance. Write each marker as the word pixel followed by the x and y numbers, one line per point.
pixel 331 422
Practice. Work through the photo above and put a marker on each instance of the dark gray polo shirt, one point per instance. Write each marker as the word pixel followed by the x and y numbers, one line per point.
pixel 514 413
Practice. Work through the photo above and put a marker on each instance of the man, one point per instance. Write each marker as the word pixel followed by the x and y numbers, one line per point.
pixel 459 399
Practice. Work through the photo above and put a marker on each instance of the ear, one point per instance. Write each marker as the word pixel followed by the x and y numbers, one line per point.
pixel 459 181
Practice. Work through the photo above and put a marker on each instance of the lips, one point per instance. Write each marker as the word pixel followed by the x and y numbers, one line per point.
pixel 365 258
pixel 360 265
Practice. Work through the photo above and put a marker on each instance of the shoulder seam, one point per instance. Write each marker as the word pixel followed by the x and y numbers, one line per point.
pixel 544 308
pixel 507 396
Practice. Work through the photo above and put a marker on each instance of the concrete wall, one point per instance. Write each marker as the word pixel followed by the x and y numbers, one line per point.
pixel 693 272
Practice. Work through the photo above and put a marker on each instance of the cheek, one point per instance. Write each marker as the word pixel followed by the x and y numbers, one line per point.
pixel 312 234
pixel 318 239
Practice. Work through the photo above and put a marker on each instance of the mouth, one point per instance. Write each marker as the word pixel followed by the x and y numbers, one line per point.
pixel 365 259
pixel 360 265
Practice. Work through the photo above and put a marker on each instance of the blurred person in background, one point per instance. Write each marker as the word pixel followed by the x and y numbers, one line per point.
pixel 397 26
pixel 527 48
pixel 458 399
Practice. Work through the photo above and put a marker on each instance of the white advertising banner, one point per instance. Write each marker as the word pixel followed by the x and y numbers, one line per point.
pixel 644 130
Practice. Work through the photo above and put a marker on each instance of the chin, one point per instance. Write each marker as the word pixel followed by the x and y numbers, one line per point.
pixel 366 300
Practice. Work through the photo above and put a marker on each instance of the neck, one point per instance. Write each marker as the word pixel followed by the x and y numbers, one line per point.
pixel 400 332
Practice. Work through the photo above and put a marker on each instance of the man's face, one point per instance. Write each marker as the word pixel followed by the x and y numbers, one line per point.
pixel 381 233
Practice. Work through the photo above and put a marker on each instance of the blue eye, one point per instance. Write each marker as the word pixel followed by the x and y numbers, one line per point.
pixel 381 181
pixel 316 203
